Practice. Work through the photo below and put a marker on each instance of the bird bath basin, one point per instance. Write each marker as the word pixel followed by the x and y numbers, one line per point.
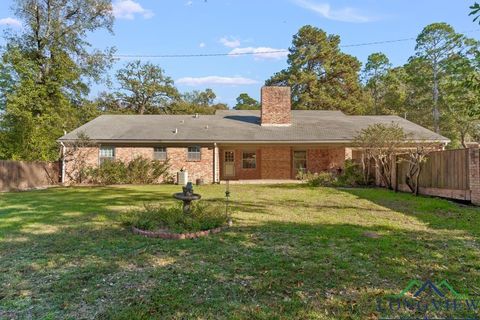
pixel 187 196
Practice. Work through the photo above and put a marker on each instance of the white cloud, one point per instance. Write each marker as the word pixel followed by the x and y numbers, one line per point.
pixel 346 14
pixel 202 45
pixel 188 3
pixel 230 42
pixel 260 52
pixel 10 22
pixel 128 9
pixel 216 80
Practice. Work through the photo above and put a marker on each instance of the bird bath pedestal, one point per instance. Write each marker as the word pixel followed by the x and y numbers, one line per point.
pixel 187 196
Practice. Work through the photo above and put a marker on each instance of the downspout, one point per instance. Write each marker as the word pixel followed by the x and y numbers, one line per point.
pixel 214 162
pixel 63 162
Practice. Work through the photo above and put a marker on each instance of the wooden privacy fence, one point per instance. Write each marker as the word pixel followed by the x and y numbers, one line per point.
pixel 22 175
pixel 451 174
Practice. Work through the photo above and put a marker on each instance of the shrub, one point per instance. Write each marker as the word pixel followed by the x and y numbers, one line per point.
pixel 203 216
pixel 138 171
pixel 322 179
pixel 109 172
pixel 145 171
pixel 351 175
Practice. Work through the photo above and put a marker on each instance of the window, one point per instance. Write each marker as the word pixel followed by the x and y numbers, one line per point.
pixel 107 154
pixel 300 161
pixel 160 153
pixel 249 160
pixel 194 154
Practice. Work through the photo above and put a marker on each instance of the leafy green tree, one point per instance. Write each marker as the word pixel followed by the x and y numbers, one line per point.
pixel 374 73
pixel 245 102
pixel 462 100
pixel 50 64
pixel 6 85
pixel 418 85
pixel 201 98
pixel 201 102
pixel 320 75
pixel 475 11
pixel 435 45
pixel 396 98
pixel 144 88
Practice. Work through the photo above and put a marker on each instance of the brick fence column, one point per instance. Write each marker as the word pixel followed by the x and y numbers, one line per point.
pixel 474 174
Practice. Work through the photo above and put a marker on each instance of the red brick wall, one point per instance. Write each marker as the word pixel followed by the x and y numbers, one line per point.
pixel 474 175
pixel 276 163
pixel 272 162
pixel 250 173
pixel 127 154
pixel 276 106
pixel 178 159
pixel 77 159
pixel 325 159
pixel 202 169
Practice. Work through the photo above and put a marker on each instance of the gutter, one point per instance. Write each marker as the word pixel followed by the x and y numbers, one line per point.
pixel 237 141
pixel 63 162
pixel 215 162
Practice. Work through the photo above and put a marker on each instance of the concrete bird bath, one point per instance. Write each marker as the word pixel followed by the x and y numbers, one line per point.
pixel 187 196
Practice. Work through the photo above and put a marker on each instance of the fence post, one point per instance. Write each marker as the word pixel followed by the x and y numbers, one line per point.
pixel 474 174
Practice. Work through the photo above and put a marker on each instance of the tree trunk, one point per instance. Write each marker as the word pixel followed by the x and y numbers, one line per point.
pixel 436 112
pixel 462 137
pixel 417 179
pixel 366 168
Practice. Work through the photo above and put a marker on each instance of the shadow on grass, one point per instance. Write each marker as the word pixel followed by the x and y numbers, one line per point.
pixel 436 212
pixel 58 206
pixel 287 270
pixel 95 268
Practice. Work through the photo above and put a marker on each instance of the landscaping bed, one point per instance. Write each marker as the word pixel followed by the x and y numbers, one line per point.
pixel 157 221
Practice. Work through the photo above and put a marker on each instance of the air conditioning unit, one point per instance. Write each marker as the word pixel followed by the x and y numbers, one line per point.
pixel 182 178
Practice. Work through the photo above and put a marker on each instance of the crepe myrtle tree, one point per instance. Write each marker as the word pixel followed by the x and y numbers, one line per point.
pixel 415 158
pixel 75 157
pixel 380 143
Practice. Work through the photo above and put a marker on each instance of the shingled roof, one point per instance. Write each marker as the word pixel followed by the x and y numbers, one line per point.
pixel 238 126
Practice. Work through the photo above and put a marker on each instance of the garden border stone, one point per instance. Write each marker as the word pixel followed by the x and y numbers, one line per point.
pixel 176 236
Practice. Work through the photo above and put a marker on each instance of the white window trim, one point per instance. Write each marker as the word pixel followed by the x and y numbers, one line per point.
pixel 155 152
pixel 100 153
pixel 199 154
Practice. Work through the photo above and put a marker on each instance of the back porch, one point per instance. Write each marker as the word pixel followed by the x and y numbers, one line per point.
pixel 282 162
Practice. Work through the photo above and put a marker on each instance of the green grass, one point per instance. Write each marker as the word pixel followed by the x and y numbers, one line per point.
pixel 294 252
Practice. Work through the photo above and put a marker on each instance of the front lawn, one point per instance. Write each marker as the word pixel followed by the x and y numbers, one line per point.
pixel 294 252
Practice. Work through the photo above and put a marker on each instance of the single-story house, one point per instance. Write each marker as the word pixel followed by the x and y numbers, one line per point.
pixel 272 143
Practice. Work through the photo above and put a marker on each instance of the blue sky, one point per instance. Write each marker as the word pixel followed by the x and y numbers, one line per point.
pixel 158 27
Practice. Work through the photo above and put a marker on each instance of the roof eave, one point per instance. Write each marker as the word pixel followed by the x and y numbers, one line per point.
pixel 340 141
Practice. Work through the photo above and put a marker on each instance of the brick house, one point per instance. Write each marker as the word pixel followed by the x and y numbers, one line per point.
pixel 273 143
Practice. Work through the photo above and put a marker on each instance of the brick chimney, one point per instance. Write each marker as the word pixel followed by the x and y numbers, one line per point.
pixel 276 106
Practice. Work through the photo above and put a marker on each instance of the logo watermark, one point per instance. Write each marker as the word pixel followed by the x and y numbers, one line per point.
pixel 428 300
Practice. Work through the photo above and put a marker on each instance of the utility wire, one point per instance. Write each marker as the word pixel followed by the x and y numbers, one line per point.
pixel 231 54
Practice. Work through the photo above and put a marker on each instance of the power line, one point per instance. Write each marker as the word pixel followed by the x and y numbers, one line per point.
pixel 232 54
pixel 257 52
